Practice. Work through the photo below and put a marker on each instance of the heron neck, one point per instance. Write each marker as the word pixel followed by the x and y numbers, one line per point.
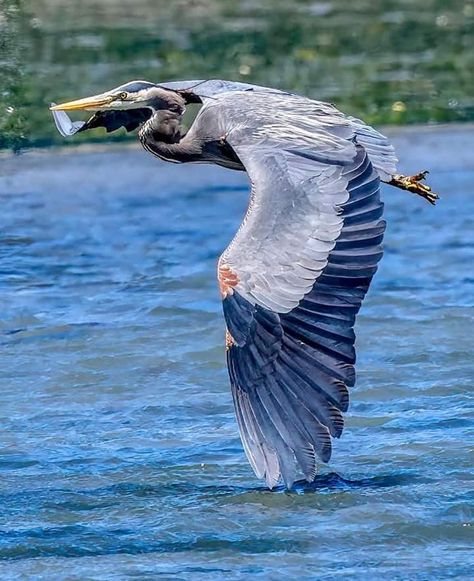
pixel 180 152
pixel 162 136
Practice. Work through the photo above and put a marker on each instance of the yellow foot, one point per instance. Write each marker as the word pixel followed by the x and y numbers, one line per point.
pixel 413 184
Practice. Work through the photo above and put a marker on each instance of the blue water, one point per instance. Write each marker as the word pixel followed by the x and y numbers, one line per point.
pixel 119 453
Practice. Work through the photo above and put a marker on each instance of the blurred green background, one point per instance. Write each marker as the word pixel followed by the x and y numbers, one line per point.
pixel 390 62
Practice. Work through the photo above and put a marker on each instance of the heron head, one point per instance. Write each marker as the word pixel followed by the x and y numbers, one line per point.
pixel 132 95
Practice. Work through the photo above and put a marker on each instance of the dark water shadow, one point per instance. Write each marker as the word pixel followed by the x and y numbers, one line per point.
pixel 330 482
pixel 333 482
pixel 325 483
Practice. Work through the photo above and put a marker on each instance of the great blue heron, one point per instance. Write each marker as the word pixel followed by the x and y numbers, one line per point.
pixel 293 278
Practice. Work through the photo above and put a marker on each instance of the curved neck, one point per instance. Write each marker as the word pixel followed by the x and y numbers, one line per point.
pixel 162 136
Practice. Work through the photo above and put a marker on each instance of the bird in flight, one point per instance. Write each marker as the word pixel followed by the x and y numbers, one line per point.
pixel 293 278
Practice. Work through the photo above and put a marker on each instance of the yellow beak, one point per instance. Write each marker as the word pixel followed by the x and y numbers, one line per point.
pixel 87 104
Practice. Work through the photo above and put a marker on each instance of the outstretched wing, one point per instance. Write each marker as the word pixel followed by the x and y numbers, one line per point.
pixel 294 277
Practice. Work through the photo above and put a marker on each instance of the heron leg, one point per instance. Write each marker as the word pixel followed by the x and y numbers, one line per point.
pixel 414 185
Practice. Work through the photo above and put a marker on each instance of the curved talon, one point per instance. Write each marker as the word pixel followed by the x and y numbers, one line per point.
pixel 420 176
pixel 431 198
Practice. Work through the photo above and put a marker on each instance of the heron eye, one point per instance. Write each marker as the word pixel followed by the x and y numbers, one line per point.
pixel 123 96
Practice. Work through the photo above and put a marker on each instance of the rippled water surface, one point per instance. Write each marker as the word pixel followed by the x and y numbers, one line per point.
pixel 119 454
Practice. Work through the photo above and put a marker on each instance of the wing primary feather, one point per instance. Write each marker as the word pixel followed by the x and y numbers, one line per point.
pixel 294 440
pixel 262 456
pixel 315 402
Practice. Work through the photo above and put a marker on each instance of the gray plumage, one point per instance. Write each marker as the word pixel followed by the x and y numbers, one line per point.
pixel 295 274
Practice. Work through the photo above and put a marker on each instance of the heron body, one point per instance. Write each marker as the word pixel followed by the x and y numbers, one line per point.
pixel 293 278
